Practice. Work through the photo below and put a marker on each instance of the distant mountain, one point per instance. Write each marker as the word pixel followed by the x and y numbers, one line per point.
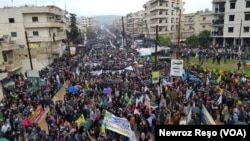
pixel 106 19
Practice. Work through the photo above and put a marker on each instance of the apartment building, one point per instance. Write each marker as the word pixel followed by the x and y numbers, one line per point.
pixel 8 62
pixel 86 21
pixel 45 27
pixel 134 23
pixel 195 23
pixel 165 14
pixel 231 22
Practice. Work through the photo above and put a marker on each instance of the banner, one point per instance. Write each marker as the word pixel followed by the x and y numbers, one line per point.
pixel 33 78
pixel 116 124
pixel 38 113
pixel 72 51
pixel 247 65
pixel 176 68
pixel 206 117
pixel 155 77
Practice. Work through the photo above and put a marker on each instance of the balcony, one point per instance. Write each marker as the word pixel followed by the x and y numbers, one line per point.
pixel 188 22
pixel 163 24
pixel 11 67
pixel 43 24
pixel 39 39
pixel 161 15
pixel 3 76
pixel 4 46
pixel 217 22
pixel 51 10
pixel 217 33
pixel 219 10
pixel 159 8
pixel 60 37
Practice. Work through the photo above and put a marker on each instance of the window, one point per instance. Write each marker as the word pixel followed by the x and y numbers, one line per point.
pixel 231 17
pixel 204 18
pixel 232 5
pixel 203 26
pixel 34 19
pixel 247 4
pixel 246 29
pixel 230 30
pixel 5 58
pixel 13 34
pixel 11 20
pixel 35 33
pixel 247 16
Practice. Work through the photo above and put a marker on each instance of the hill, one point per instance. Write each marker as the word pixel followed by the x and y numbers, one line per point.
pixel 106 19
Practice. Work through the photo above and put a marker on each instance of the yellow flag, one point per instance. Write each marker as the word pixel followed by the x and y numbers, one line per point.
pixel 219 79
pixel 80 120
pixel 102 129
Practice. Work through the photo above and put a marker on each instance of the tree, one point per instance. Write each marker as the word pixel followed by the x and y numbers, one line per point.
pixel 164 40
pixel 91 33
pixel 192 40
pixel 74 33
pixel 204 38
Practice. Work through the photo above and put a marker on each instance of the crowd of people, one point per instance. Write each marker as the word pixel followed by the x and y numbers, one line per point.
pixel 171 101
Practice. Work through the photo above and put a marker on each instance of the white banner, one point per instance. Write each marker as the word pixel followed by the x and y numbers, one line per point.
pixel 116 124
pixel 176 68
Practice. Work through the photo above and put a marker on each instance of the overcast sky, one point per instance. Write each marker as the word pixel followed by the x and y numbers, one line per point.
pixel 90 8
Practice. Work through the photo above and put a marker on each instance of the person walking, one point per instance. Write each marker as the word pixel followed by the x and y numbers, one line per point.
pixel 238 65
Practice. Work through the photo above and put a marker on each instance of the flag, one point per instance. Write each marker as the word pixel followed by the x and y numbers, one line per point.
pixel 102 131
pixel 101 103
pixel 220 99
pixel 126 98
pixel 86 85
pixel 148 106
pixel 80 120
pixel 219 79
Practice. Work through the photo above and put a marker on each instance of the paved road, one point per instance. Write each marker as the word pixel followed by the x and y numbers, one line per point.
pixel 59 96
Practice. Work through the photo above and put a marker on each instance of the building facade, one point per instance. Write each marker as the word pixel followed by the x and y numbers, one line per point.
pixel 165 14
pixel 195 23
pixel 45 27
pixel 8 62
pixel 134 23
pixel 231 22
pixel 86 21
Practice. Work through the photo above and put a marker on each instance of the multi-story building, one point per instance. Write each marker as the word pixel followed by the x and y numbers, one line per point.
pixel 45 27
pixel 134 23
pixel 165 14
pixel 86 21
pixel 8 62
pixel 231 23
pixel 195 23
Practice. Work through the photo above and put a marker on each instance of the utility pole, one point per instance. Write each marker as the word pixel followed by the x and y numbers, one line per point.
pixel 123 34
pixel 28 46
pixel 156 45
pixel 179 36
pixel 240 32
pixel 51 44
pixel 133 36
